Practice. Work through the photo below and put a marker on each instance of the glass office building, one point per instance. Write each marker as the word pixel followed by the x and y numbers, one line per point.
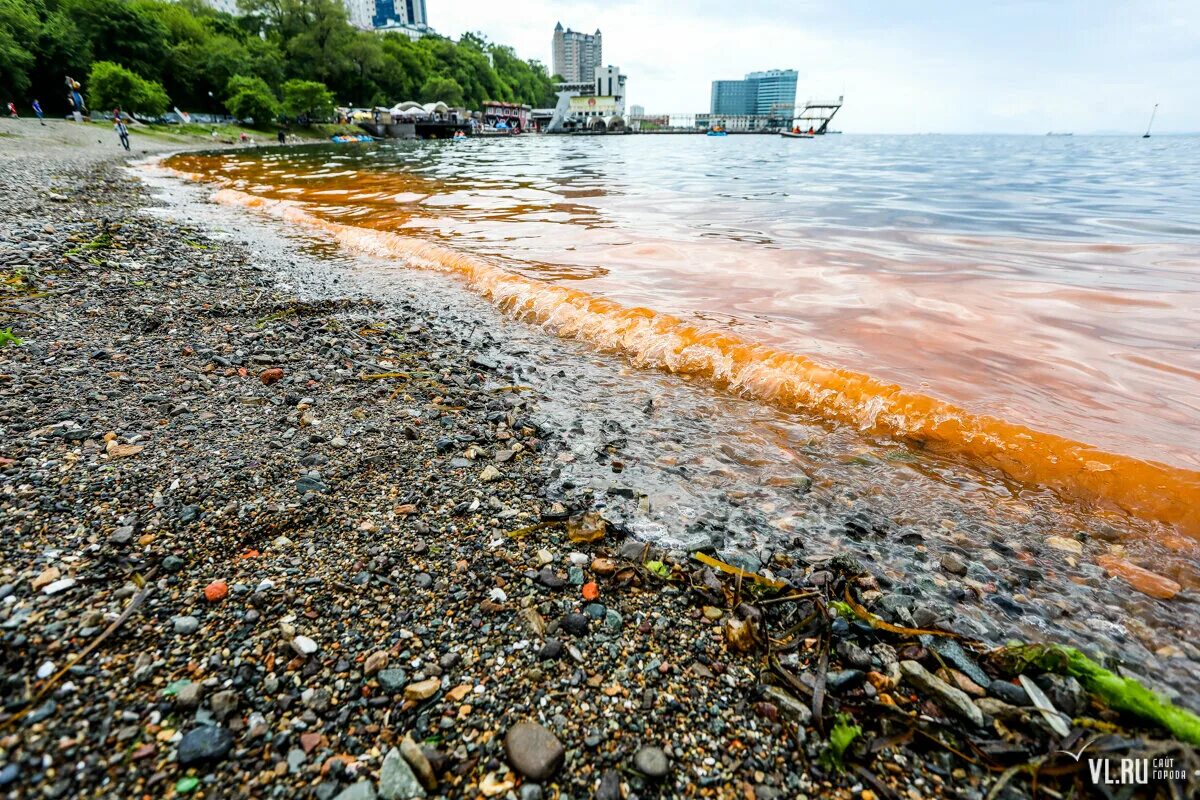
pixel 733 97
pixel 759 93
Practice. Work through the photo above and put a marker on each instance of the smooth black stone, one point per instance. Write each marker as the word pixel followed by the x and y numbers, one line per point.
pixel 1009 693
pixel 208 743
pixel 575 624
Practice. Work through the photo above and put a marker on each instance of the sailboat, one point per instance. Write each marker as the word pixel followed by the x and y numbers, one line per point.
pixel 1146 135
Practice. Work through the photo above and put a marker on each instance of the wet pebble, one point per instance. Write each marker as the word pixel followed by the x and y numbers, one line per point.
pixel 533 751
pixel 208 743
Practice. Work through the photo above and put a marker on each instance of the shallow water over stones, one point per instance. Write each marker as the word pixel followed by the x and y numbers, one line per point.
pixel 689 467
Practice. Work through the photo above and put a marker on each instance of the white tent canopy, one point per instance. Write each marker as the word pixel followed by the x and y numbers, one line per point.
pixel 413 110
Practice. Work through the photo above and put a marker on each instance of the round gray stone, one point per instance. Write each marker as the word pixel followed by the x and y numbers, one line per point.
pixel 652 762
pixel 533 751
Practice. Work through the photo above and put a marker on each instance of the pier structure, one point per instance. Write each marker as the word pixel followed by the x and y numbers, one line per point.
pixel 816 115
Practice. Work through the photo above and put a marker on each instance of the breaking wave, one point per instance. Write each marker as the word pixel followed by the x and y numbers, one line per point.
pixel 1109 481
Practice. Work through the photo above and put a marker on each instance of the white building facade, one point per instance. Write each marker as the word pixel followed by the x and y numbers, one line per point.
pixel 361 13
pixel 609 82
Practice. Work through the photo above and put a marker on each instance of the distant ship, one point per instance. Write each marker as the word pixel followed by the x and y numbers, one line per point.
pixel 1053 133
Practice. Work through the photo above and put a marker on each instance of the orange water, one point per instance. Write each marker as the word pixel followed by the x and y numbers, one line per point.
pixel 1067 384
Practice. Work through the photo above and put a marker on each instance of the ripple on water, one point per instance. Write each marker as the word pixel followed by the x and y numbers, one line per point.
pixel 759 482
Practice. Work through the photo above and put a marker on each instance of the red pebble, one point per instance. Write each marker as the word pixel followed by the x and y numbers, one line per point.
pixel 271 375
pixel 591 591
pixel 216 591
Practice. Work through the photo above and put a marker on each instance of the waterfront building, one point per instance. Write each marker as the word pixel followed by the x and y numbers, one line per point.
pixel 506 116
pixel 595 104
pixel 637 111
pixel 775 88
pixel 733 97
pixel 759 93
pixel 576 55
pixel 611 83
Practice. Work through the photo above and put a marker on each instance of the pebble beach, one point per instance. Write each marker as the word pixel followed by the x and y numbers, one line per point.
pixel 268 535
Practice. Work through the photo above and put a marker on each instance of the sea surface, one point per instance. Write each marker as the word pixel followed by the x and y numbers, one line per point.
pixel 905 346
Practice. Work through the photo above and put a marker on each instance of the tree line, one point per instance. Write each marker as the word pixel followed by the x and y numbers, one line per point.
pixel 277 56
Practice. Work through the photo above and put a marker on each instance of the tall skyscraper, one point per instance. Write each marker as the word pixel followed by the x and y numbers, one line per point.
pixel 409 13
pixel 733 97
pixel 775 88
pixel 576 55
pixel 759 93
pixel 361 13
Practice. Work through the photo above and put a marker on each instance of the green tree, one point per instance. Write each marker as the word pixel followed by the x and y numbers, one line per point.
pixel 307 98
pixel 366 62
pixel 250 97
pixel 317 35
pixel 527 80
pixel 407 66
pixel 265 61
pixel 123 33
pixel 194 52
pixel 446 90
pixel 266 16
pixel 111 85
pixel 19 26
pixel 60 50
pixel 224 57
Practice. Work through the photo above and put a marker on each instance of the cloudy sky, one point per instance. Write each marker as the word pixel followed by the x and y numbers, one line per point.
pixel 904 65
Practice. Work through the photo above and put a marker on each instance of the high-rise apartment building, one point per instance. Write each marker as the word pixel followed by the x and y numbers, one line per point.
pixel 407 13
pixel 576 55
pixel 760 93
pixel 406 16
pixel 361 13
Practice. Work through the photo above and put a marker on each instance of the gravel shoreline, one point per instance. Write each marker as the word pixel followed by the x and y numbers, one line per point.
pixel 324 532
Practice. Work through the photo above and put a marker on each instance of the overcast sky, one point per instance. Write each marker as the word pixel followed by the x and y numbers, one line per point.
pixel 904 66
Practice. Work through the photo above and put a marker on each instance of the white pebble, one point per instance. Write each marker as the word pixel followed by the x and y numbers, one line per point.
pixel 304 645
pixel 58 586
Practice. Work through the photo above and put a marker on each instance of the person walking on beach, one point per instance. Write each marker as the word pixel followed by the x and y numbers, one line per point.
pixel 37 109
pixel 12 110
pixel 75 99
pixel 122 132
